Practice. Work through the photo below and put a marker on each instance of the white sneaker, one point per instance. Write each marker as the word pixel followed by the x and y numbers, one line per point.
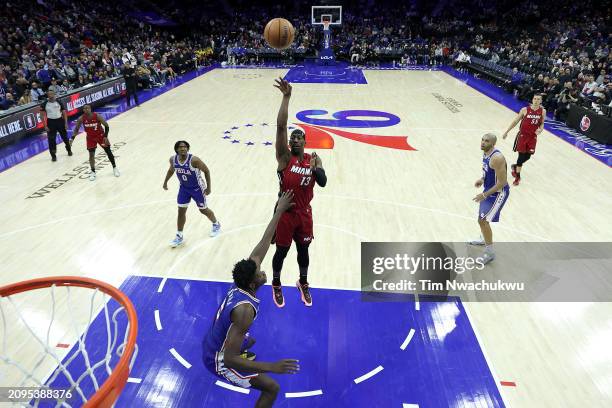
pixel 487 257
pixel 216 229
pixel 478 242
pixel 116 172
pixel 178 240
pixel 92 176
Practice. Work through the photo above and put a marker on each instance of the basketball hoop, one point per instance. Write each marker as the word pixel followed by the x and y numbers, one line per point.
pixel 105 395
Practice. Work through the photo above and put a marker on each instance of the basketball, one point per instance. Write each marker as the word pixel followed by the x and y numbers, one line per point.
pixel 279 33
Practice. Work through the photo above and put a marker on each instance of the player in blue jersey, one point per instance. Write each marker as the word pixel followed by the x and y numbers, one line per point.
pixel 189 169
pixel 496 191
pixel 227 340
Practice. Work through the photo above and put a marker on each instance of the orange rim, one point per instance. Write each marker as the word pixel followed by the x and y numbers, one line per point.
pixel 112 387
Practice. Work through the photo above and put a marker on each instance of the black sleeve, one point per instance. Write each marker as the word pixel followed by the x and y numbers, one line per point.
pixel 320 176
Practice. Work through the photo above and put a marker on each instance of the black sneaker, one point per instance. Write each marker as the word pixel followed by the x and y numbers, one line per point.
pixel 69 152
pixel 277 295
pixel 53 158
pixel 304 289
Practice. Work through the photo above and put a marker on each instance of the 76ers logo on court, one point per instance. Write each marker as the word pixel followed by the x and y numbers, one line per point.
pixel 585 123
pixel 320 129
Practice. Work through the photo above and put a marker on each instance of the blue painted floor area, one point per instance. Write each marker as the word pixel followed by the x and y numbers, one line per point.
pixel 337 341
pixel 29 146
pixel 341 73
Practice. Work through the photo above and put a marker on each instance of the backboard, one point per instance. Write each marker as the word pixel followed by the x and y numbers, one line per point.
pixel 333 14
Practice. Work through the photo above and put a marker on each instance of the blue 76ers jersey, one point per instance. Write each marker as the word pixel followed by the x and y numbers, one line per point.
pixel 188 176
pixel 215 339
pixel 488 174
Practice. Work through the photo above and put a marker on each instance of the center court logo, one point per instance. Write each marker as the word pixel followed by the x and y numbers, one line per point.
pixel 320 129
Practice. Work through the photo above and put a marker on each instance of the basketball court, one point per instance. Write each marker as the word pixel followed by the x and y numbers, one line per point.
pixel 401 149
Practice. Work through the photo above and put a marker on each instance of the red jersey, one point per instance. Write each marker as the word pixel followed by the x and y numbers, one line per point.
pixel 299 178
pixel 93 127
pixel 531 121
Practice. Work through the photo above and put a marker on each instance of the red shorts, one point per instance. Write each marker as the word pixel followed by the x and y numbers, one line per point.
pixel 525 143
pixel 93 141
pixel 294 225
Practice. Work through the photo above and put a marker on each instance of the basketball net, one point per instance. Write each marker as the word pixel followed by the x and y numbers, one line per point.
pixel 107 382
pixel 326 25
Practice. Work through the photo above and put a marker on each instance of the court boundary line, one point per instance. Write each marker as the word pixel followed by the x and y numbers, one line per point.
pixel 484 353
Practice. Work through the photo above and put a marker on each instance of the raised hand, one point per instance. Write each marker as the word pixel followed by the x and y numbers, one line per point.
pixel 283 86
pixel 315 161
pixel 285 201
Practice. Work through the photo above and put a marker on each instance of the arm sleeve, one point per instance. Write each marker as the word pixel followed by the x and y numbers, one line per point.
pixel 320 176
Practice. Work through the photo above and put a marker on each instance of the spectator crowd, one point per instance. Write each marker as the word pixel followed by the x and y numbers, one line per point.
pixel 560 49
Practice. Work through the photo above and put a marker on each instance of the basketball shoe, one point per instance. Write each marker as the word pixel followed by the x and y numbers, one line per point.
pixel 304 289
pixel 178 240
pixel 487 257
pixel 478 242
pixel 277 295
pixel 248 355
pixel 216 229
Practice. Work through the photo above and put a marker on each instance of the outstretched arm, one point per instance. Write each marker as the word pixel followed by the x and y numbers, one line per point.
pixel 260 250
pixel 516 120
pixel 282 150
pixel 199 164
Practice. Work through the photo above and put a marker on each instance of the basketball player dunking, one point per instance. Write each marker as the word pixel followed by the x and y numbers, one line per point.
pixel 532 123
pixel 93 124
pixel 226 344
pixel 496 191
pixel 189 169
pixel 297 172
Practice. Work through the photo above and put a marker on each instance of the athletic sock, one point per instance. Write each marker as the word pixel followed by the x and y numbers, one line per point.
pixel 179 233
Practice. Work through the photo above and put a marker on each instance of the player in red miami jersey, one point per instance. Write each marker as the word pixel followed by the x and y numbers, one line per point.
pixel 532 123
pixel 93 124
pixel 297 172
